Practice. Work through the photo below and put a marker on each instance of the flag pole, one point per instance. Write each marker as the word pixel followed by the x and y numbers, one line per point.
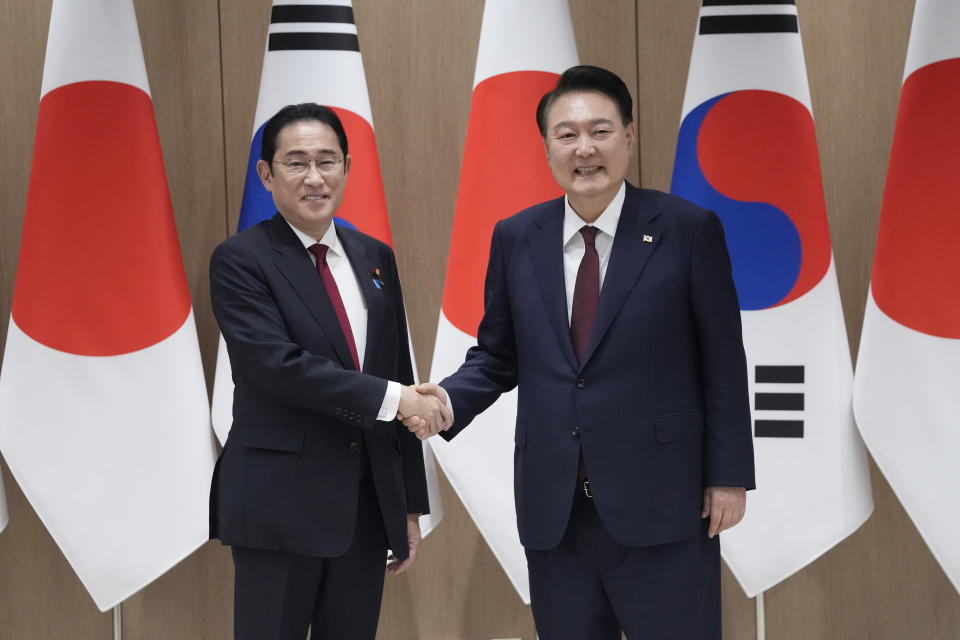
pixel 761 618
pixel 117 623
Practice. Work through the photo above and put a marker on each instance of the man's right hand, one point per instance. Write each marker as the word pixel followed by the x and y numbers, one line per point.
pixel 423 410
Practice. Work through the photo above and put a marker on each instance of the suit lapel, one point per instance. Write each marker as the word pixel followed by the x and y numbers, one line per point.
pixel 295 265
pixel 638 234
pixel 363 268
pixel 546 249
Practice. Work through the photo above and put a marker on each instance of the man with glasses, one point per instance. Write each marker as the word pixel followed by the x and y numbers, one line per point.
pixel 317 478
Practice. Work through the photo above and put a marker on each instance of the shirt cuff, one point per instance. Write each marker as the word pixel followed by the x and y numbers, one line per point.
pixel 391 402
pixel 449 403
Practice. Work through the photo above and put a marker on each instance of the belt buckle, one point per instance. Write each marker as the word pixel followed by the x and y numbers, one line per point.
pixel 586 489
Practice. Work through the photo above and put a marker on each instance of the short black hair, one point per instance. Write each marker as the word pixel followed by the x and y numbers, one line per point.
pixel 292 113
pixel 590 79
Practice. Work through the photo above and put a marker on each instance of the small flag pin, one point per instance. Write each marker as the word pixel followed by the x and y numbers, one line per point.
pixel 647 238
pixel 377 279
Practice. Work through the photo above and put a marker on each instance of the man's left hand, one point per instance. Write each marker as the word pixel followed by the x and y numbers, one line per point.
pixel 725 506
pixel 396 566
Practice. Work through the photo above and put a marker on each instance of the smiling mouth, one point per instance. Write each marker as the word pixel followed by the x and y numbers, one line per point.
pixel 587 171
pixel 313 197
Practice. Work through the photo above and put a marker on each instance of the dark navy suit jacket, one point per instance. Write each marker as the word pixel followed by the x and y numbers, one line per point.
pixel 659 406
pixel 288 476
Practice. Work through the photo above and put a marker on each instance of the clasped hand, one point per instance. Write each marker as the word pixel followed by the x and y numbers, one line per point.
pixel 423 410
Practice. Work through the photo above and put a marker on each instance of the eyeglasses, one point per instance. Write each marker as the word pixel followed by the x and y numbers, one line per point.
pixel 326 166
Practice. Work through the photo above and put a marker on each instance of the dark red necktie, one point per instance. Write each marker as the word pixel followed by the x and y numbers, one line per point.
pixel 320 251
pixel 586 294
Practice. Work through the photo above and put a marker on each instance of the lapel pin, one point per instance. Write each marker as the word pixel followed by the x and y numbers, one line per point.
pixel 377 279
pixel 647 238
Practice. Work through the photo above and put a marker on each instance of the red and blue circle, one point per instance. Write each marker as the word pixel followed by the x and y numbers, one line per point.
pixel 751 156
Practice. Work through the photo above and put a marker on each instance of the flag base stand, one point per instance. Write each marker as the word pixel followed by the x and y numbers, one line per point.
pixel 761 618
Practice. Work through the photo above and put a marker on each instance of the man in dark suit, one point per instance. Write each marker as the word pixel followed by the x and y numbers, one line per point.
pixel 317 478
pixel 613 310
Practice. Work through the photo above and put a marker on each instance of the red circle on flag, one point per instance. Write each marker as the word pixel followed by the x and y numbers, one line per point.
pixel 916 268
pixel 504 171
pixel 364 204
pixel 100 270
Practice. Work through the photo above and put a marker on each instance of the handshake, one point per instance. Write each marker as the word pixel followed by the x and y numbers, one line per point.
pixel 423 410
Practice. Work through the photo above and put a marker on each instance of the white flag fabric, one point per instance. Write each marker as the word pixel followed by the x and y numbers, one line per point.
pixel 747 149
pixel 104 420
pixel 313 55
pixel 524 46
pixel 907 388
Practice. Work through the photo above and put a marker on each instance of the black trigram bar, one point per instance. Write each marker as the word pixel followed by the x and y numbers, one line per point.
pixel 313 41
pixel 778 428
pixel 311 13
pixel 780 374
pixel 720 3
pixel 755 23
pixel 779 401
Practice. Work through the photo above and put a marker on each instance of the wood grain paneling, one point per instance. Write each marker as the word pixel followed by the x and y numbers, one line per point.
pixel 40 595
pixel 204 58
pixel 606 35
pixel 243 36
pixel 665 33
pixel 181 46
pixel 881 582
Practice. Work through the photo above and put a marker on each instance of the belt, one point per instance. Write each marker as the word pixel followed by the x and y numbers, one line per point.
pixel 584 487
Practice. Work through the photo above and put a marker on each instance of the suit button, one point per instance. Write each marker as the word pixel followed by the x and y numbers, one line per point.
pixel 576 432
pixel 354 447
pixel 581 383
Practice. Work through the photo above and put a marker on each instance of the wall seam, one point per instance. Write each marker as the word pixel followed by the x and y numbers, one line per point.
pixel 636 57
pixel 223 125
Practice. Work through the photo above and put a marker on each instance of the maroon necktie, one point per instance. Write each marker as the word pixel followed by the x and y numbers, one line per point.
pixel 320 251
pixel 586 293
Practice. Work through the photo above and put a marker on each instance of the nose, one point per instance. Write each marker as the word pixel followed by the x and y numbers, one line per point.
pixel 313 175
pixel 584 146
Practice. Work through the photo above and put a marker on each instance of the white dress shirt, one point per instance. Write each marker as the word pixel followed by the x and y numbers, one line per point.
pixel 574 247
pixel 354 304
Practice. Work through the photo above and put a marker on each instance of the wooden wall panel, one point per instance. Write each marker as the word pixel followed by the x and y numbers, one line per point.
pixel 243 37
pixel 881 582
pixel 665 33
pixel 40 596
pixel 181 46
pixel 419 57
pixel 606 35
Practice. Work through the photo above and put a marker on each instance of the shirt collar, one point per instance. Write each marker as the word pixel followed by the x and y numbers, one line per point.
pixel 607 222
pixel 330 238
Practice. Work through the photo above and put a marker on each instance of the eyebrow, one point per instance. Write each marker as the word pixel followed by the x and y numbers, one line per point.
pixel 322 152
pixel 567 123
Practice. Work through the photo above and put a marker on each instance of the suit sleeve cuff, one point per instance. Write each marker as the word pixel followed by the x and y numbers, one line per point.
pixel 391 402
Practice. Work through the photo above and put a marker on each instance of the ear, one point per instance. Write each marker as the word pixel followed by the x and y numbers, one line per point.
pixel 631 133
pixel 546 150
pixel 266 177
pixel 346 165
